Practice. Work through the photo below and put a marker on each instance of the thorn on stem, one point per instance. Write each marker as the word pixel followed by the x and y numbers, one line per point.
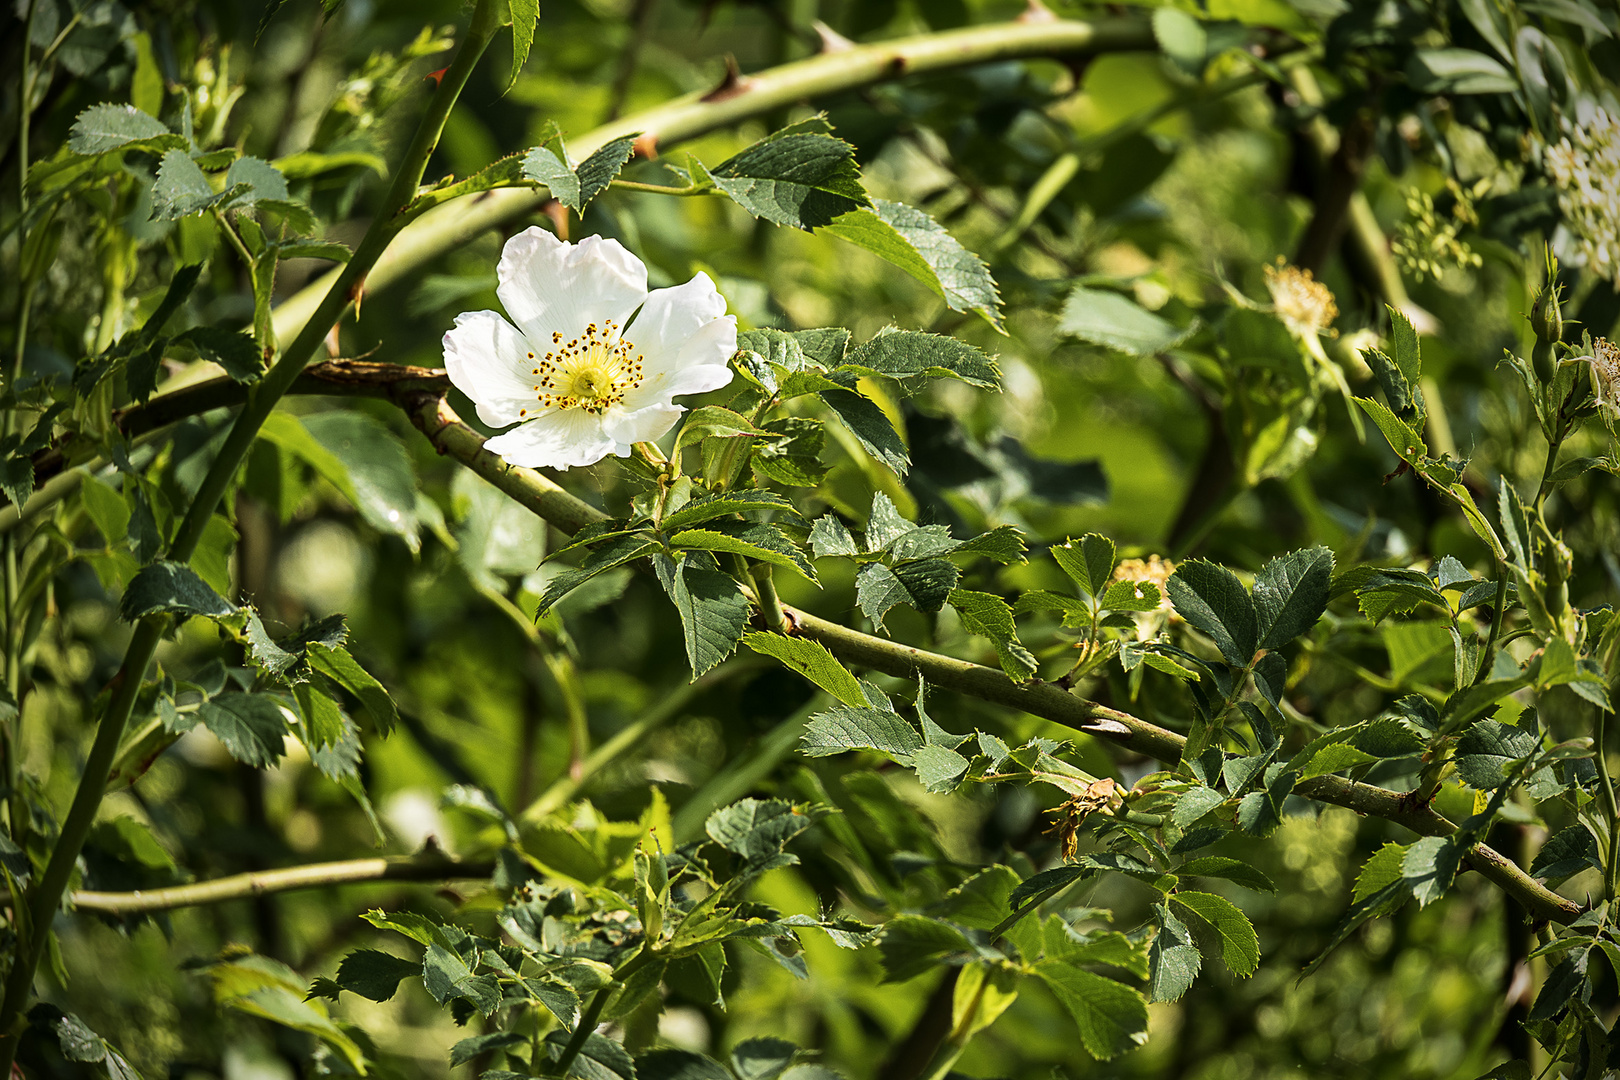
pixel 831 40
pixel 1037 12
pixel 733 84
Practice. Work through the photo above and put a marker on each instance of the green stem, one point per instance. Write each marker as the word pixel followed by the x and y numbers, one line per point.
pixel 662 189
pixel 235 241
pixel 670 705
pixel 1560 430
pixel 770 606
pixel 46 896
pixel 593 1013
pixel 11 732
pixel 1611 869
pixel 1499 608
pixel 426 866
pixel 563 676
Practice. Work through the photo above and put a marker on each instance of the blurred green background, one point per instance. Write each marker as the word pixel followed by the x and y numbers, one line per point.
pixel 1085 438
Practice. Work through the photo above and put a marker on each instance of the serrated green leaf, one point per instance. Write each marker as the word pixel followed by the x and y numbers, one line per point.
pixel 1381 869
pixel 1403 438
pixel 1194 803
pixel 1130 596
pixel 1485 751
pixel 1234 870
pixel 613 553
pixel 1430 865
pixel 1515 525
pixel 1213 600
pixel 601 1058
pixel 525 13
pixel 854 727
pixel 1089 561
pixel 803 180
pixel 107 126
pixel 171 588
pixel 917 244
pixel 1004 544
pixel 756 829
pixel 671 1064
pixel 254 180
pixel 374 974
pixel 1335 757
pixel 909 945
pixel 1291 593
pixel 251 726
pixel 989 615
pixel 924 585
pixel 337 664
pixel 1106 318
pixel 709 507
pixel 236 352
pixel 812 660
pixel 181 188
pixel 1229 930
pixel 767 543
pixel 913 354
pixel 830 538
pixel 870 426
pixel 1567 853
pixel 468 1049
pixel 762 1058
pixel 939 768
pixel 791 453
pixel 598 170
pixel 1112 1017
pixel 447 977
pixel 713 611
pixel 1174 961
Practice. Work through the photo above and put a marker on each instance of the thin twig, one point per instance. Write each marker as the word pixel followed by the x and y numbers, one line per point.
pixel 426 867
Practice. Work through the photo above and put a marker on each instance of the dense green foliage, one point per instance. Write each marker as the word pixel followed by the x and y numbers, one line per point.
pixel 1141 607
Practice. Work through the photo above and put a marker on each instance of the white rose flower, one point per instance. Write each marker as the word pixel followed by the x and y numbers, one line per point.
pixel 576 375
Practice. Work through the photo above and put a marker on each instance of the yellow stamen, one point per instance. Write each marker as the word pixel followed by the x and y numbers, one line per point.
pixel 592 372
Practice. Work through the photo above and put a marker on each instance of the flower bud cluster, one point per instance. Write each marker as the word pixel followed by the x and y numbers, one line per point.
pixel 1426 244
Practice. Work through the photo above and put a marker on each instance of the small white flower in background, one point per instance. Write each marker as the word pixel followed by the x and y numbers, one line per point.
pixel 1585 168
pixel 578 377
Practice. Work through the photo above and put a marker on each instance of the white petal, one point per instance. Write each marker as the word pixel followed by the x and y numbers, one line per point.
pixel 700 365
pixel 642 425
pixel 559 439
pixel 551 286
pixel 671 316
pixel 487 359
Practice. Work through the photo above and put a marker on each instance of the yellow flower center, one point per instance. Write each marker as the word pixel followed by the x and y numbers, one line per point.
pixel 592 372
